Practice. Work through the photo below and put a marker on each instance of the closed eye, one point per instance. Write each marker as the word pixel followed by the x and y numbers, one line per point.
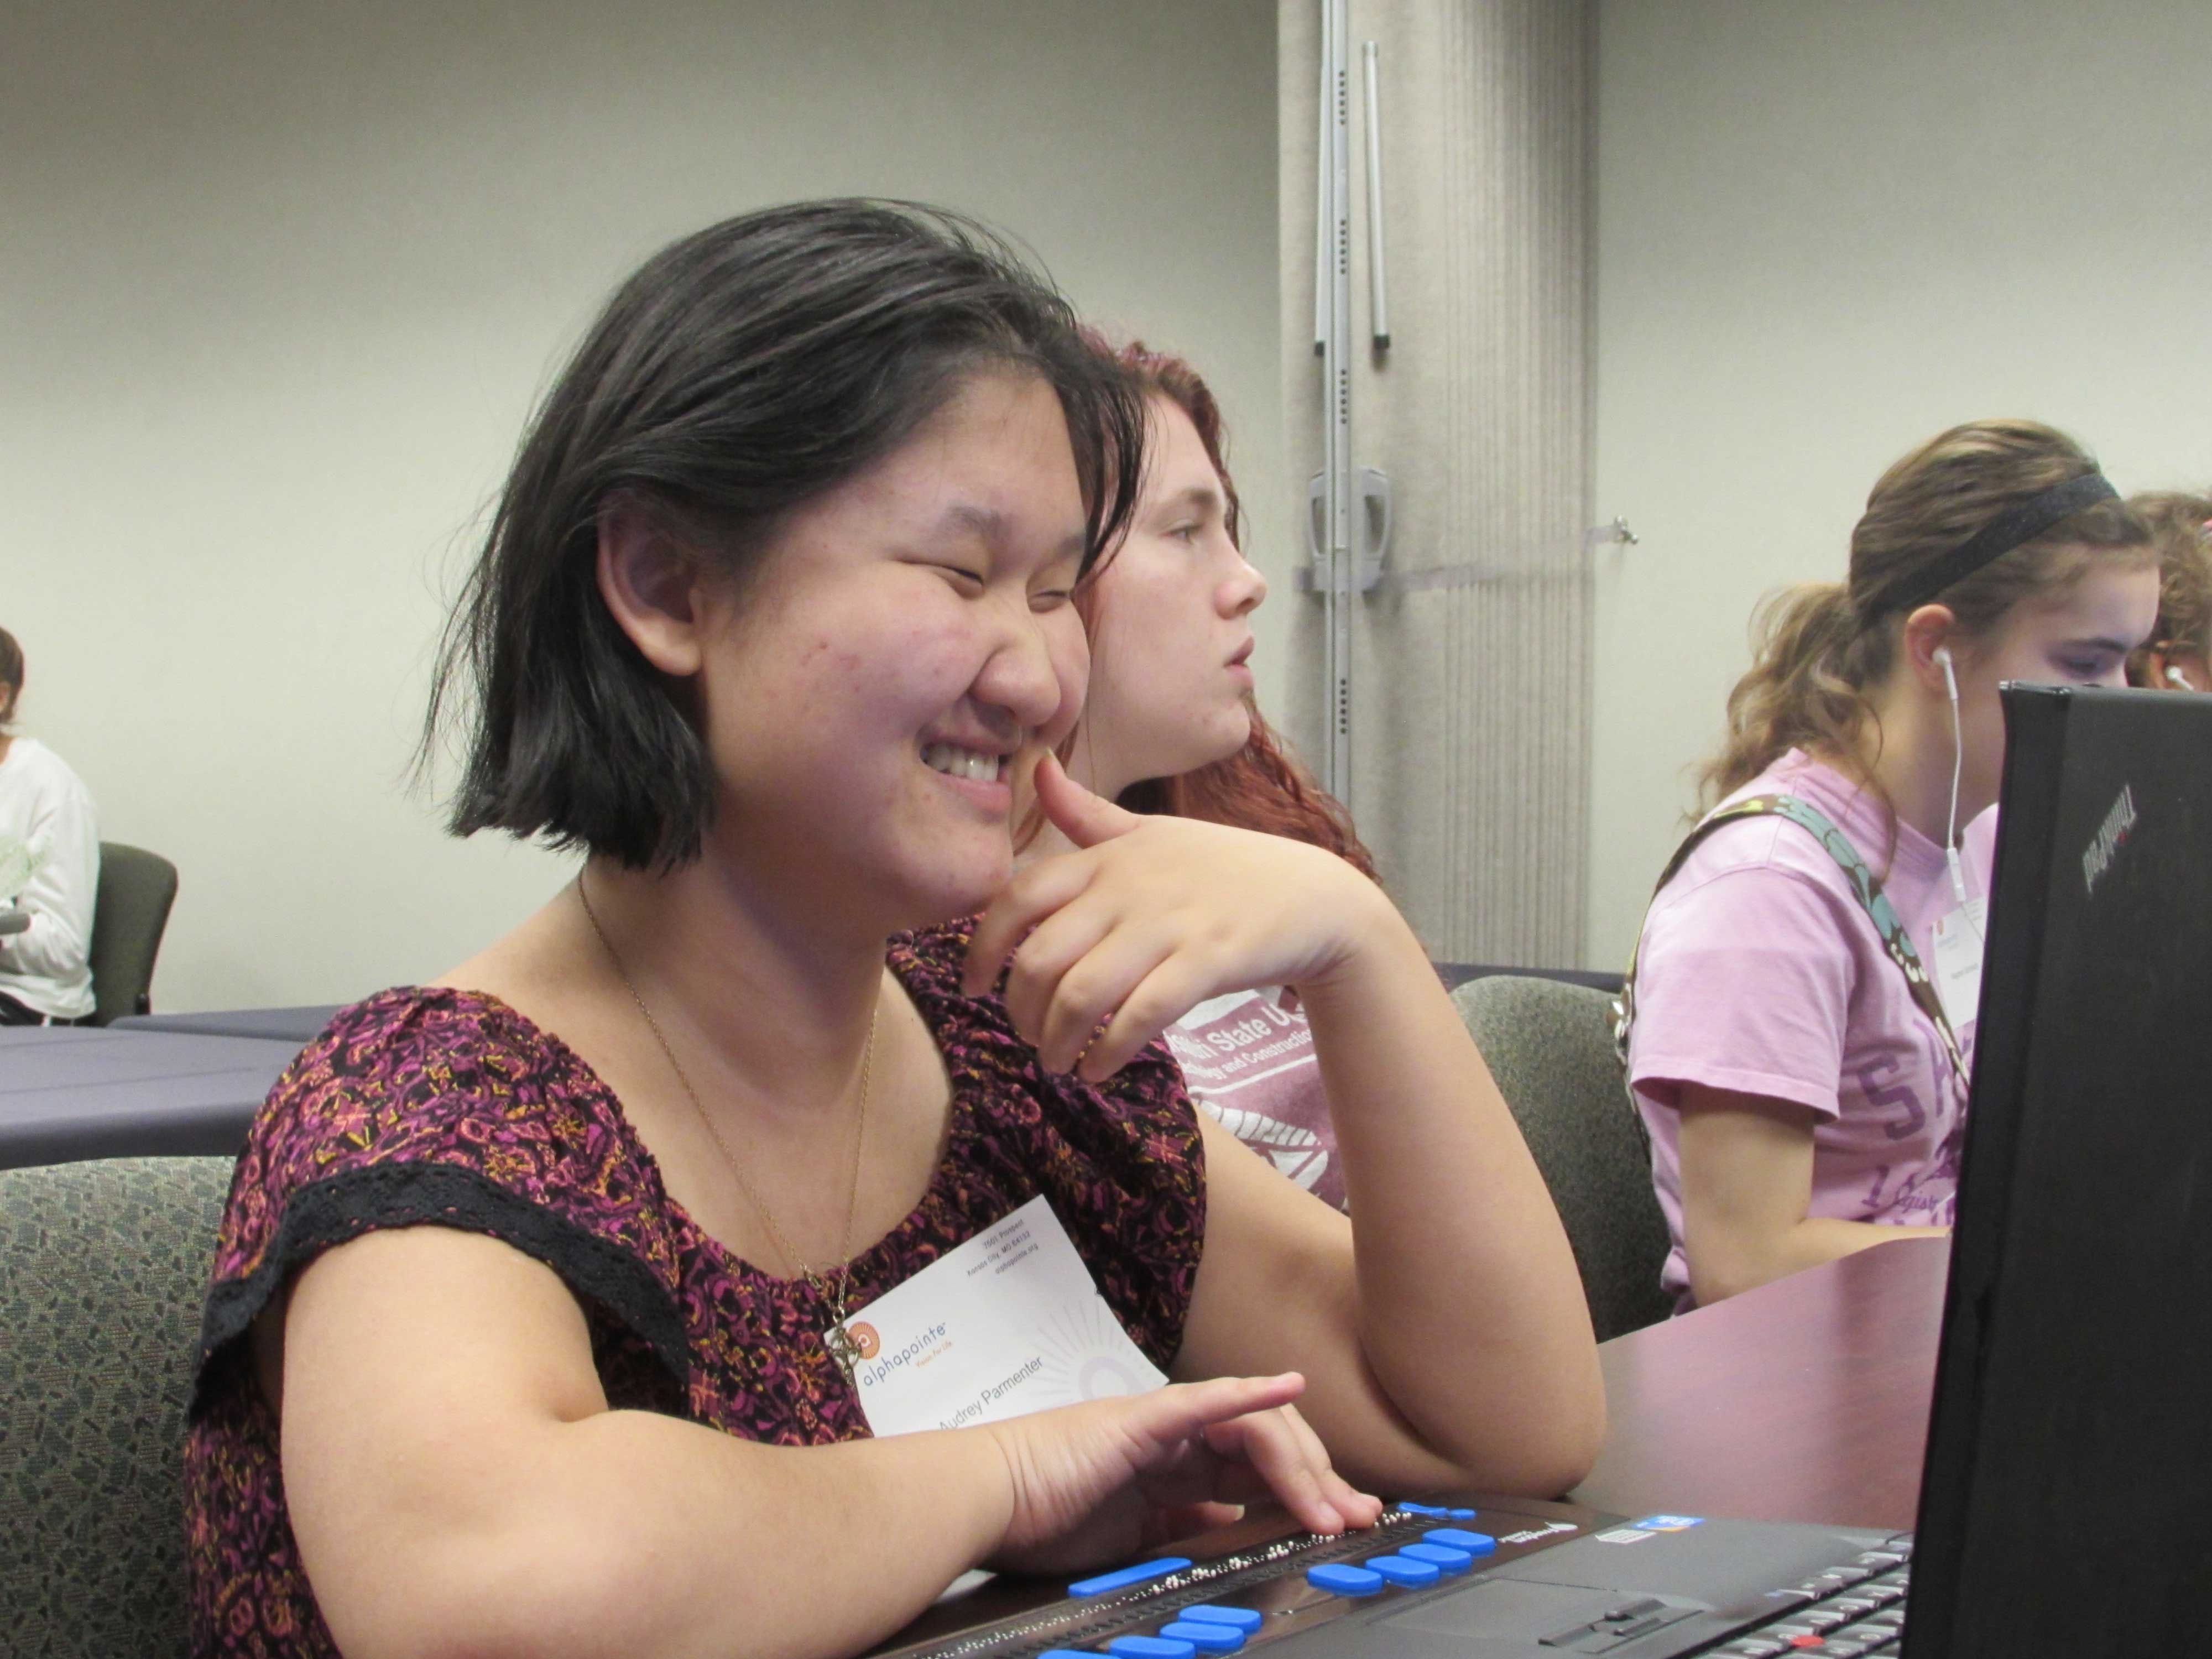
pixel 2096 667
pixel 963 577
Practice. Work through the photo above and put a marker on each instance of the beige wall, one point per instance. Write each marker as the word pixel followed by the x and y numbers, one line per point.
pixel 1825 232
pixel 1470 665
pixel 281 281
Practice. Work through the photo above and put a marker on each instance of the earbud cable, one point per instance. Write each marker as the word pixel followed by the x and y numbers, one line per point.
pixel 1958 762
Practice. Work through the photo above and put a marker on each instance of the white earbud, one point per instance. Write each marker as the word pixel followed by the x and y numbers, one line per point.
pixel 1950 675
pixel 2179 679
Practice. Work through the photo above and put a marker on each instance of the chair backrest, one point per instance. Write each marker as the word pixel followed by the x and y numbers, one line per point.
pixel 129 909
pixel 103 1268
pixel 1456 973
pixel 1550 1047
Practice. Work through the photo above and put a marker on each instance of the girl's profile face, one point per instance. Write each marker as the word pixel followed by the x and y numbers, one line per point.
pixel 1172 639
pixel 2080 635
pixel 902 637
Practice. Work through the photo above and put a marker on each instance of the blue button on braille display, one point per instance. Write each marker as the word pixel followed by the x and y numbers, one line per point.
pixel 1343 1580
pixel 1440 1555
pixel 1212 1612
pixel 1151 1647
pixel 1423 1509
pixel 1403 1570
pixel 1478 1543
pixel 1458 1514
pixel 1126 1577
pixel 1206 1639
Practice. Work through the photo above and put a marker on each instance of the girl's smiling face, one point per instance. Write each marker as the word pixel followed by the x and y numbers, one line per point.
pixel 864 688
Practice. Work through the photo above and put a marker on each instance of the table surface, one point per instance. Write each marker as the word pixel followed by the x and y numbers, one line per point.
pixel 1804 1400
pixel 70 1092
pixel 295 1025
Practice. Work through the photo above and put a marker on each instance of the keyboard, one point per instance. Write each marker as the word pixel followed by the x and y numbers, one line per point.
pixel 1855 1610
pixel 1172 1607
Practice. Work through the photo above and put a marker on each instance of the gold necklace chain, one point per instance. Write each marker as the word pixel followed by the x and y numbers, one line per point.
pixel 838 1295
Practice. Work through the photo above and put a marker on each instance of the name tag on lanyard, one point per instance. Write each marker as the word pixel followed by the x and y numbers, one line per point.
pixel 1008 1323
pixel 1959 963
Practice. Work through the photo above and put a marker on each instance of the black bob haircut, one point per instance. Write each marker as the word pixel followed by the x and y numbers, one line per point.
pixel 742 371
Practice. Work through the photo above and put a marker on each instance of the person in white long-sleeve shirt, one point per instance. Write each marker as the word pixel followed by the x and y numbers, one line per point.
pixel 49 871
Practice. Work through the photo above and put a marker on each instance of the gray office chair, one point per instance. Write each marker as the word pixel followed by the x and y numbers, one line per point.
pixel 1550 1046
pixel 103 1268
pixel 1456 973
pixel 130 911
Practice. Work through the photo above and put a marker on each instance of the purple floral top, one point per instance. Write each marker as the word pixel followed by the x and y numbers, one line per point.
pixel 430 1107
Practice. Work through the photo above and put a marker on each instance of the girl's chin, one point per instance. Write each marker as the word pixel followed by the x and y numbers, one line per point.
pixel 951 896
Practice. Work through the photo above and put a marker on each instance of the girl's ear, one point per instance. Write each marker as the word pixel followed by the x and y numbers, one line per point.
pixel 652 587
pixel 2179 670
pixel 1931 629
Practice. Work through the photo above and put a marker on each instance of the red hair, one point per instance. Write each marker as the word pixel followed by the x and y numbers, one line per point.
pixel 1262 786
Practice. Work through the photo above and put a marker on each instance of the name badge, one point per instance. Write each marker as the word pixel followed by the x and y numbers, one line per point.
pixel 1959 961
pixel 1008 1323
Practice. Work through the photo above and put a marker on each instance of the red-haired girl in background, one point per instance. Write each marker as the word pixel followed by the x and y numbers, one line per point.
pixel 1169 727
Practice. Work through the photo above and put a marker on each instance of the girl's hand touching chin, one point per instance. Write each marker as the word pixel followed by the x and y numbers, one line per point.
pixel 1149 916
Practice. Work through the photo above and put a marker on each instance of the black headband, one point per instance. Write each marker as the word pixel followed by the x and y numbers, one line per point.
pixel 1994 539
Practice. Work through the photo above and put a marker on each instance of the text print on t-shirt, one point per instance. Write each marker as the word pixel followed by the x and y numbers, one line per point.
pixel 1907 1117
pixel 1248 1061
pixel 1921 1191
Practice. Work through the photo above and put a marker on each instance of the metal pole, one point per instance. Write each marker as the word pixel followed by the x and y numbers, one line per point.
pixel 1336 375
pixel 1324 105
pixel 1378 298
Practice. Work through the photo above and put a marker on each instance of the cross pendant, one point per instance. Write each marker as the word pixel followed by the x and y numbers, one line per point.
pixel 842 1349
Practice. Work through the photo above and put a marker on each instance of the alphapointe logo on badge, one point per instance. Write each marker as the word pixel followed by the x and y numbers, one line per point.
pixel 866 1342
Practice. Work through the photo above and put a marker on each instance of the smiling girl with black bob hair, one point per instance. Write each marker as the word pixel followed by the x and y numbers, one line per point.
pixel 537 1284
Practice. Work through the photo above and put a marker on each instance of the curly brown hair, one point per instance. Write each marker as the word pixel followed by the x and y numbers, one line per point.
pixel 2183 526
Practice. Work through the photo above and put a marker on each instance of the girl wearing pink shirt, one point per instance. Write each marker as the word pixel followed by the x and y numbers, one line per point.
pixel 1799 1015
pixel 1169 727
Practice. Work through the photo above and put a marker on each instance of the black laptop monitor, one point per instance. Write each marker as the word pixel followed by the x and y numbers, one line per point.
pixel 2066 1506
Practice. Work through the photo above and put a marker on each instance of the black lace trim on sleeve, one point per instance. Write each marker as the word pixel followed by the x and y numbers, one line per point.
pixel 340 1208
